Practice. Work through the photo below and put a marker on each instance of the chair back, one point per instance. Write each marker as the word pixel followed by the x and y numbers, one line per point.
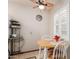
pixel 60 50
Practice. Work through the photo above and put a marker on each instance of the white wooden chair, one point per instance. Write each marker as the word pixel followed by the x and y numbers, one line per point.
pixel 60 50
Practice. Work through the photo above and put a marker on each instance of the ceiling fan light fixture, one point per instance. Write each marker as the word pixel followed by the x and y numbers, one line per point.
pixel 41 7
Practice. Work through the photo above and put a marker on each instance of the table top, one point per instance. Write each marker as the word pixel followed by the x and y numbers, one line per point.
pixel 46 44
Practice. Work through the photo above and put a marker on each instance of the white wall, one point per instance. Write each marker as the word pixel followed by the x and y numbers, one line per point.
pixel 31 30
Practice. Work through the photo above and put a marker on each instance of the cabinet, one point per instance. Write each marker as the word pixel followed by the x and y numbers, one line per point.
pixel 15 38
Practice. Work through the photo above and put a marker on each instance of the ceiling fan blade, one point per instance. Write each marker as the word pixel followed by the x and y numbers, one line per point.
pixel 50 4
pixel 34 1
pixel 45 1
pixel 34 4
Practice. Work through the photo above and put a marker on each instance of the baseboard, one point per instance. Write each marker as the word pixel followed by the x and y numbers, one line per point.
pixel 26 52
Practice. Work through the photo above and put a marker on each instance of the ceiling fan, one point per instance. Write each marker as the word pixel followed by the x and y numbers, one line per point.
pixel 42 4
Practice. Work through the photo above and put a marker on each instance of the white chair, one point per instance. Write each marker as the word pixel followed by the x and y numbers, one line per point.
pixel 42 53
pixel 60 50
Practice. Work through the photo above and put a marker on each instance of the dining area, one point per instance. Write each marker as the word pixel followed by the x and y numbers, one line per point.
pixel 54 48
pixel 39 29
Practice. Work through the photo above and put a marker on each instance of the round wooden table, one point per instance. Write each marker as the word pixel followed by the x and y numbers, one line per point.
pixel 46 44
pixel 43 43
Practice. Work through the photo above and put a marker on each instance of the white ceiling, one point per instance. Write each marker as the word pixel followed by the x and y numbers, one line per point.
pixel 28 2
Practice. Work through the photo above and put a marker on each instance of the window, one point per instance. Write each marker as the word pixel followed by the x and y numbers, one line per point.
pixel 61 23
